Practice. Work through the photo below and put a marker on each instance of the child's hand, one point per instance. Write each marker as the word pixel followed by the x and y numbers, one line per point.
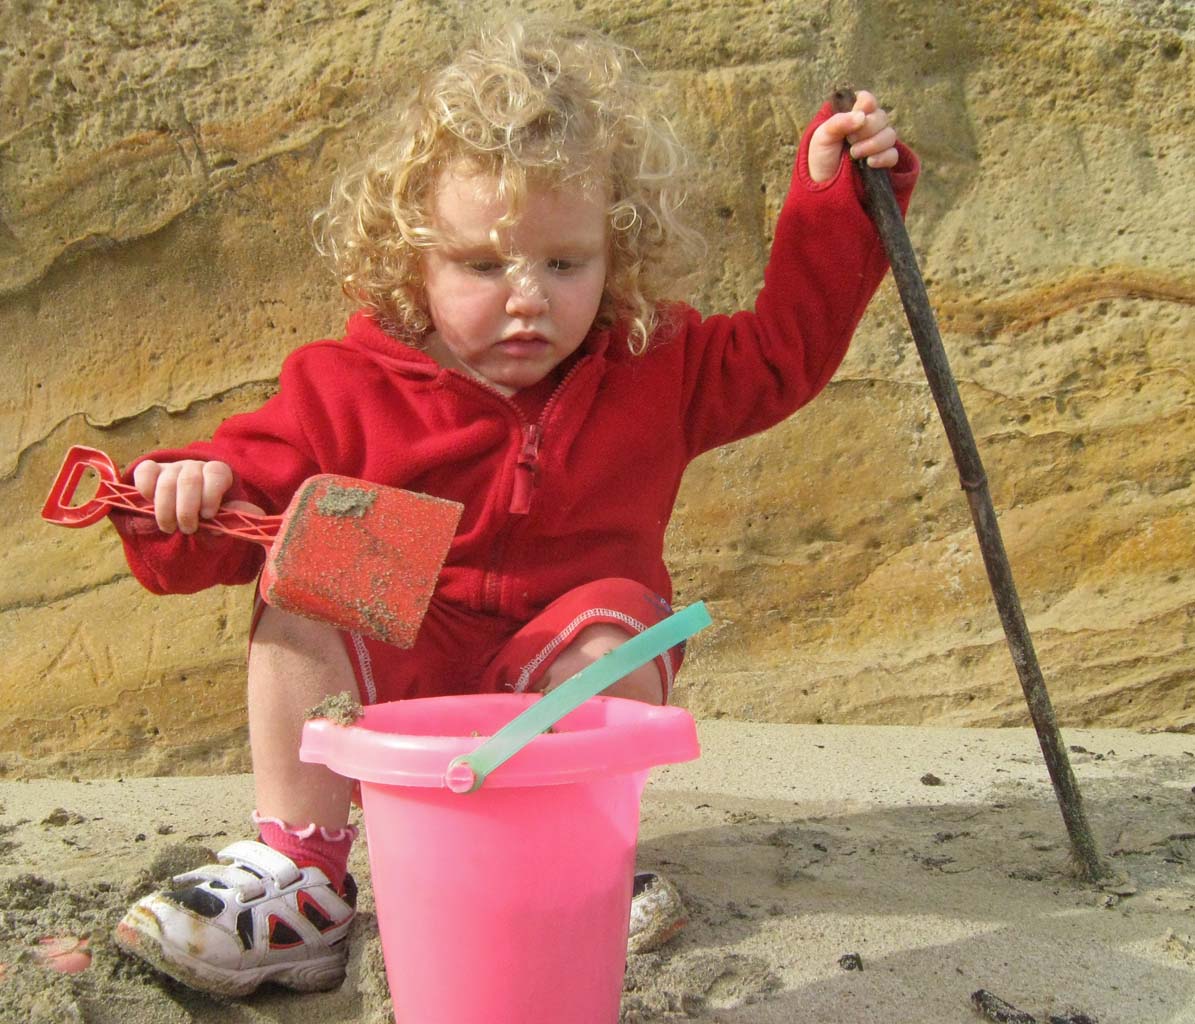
pixel 184 492
pixel 867 130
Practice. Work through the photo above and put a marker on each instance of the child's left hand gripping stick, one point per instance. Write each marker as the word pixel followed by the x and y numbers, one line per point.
pixel 356 555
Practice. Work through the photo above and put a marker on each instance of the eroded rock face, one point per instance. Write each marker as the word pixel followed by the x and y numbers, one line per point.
pixel 158 171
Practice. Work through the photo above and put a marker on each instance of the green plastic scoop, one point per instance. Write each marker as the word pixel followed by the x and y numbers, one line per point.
pixel 466 773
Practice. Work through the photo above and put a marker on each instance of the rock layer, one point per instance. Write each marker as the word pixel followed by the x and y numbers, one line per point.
pixel 158 170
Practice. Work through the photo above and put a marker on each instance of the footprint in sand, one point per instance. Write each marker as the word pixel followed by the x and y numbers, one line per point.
pixel 692 983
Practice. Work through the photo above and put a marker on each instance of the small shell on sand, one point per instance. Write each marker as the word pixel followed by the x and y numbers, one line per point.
pixel 66 954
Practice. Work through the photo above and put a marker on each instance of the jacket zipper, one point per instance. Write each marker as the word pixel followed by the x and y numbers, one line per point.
pixel 526 469
pixel 523 488
pixel 527 464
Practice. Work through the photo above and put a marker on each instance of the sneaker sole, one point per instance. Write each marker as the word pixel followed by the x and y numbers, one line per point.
pixel 140 935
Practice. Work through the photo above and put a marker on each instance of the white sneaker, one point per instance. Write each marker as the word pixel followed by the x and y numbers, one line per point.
pixel 255 917
pixel 657 913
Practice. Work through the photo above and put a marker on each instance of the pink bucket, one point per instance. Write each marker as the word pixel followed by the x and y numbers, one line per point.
pixel 511 903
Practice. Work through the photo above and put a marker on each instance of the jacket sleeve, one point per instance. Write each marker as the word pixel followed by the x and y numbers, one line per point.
pixel 270 455
pixel 747 371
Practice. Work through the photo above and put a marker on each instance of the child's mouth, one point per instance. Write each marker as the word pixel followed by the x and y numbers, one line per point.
pixel 523 346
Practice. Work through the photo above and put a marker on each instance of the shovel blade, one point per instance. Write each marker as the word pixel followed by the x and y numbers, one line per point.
pixel 360 556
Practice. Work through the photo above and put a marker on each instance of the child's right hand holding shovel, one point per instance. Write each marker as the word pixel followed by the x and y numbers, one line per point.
pixel 185 492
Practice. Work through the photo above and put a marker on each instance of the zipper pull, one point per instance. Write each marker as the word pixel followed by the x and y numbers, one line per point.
pixel 525 470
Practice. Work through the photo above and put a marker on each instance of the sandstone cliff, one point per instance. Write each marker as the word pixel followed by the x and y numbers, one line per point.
pixel 158 168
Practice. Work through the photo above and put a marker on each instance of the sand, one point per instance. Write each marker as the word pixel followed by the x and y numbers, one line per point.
pixel 856 875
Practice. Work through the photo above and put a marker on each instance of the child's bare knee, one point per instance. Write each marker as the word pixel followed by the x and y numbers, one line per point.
pixel 291 644
pixel 593 642
pixel 278 627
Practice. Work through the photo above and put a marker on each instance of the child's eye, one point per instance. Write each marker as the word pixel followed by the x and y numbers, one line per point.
pixel 485 266
pixel 563 266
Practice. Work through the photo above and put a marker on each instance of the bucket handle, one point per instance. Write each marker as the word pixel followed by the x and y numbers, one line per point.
pixel 465 774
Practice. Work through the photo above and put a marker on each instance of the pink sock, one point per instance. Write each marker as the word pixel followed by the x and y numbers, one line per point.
pixel 311 846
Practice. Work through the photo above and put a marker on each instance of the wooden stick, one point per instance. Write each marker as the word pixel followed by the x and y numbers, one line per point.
pixel 885 213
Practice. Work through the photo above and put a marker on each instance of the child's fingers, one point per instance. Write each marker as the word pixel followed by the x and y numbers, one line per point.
pixel 192 494
pixel 183 492
pixel 245 506
pixel 188 495
pixel 157 483
pixel 888 158
pixel 865 102
pixel 178 495
pixel 865 128
pixel 145 478
pixel 164 498
pixel 873 123
pixel 865 119
pixel 217 478
pixel 837 128
pixel 874 145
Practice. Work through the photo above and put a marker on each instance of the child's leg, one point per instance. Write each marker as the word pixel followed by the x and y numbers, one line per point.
pixel 277 910
pixel 578 628
pixel 590 644
pixel 294 663
pixel 302 809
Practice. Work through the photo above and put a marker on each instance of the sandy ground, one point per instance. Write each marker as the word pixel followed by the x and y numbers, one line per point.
pixel 794 846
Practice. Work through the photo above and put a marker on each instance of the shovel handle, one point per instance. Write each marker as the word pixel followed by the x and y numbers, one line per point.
pixel 112 493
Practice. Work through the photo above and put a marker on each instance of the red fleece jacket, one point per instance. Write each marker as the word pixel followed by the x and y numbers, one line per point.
pixel 587 490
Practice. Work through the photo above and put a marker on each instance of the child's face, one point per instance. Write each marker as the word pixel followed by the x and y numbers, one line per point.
pixel 510 320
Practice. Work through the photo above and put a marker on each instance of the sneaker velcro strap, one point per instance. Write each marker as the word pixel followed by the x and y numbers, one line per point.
pixel 223 876
pixel 260 858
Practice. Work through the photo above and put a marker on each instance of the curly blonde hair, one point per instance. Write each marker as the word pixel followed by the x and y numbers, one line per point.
pixel 531 104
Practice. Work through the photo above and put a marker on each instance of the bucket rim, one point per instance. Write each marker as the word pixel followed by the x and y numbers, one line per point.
pixel 630 737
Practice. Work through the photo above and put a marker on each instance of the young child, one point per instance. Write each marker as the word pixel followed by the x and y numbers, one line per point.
pixel 512 352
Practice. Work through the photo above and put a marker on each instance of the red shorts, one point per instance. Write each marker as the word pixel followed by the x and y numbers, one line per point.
pixel 459 651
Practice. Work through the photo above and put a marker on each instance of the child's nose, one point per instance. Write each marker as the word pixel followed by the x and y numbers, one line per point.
pixel 527 296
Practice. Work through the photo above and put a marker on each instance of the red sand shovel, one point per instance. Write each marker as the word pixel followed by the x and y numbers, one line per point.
pixel 350 553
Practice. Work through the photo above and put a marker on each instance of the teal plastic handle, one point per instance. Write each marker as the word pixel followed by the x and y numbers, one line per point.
pixel 466 773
